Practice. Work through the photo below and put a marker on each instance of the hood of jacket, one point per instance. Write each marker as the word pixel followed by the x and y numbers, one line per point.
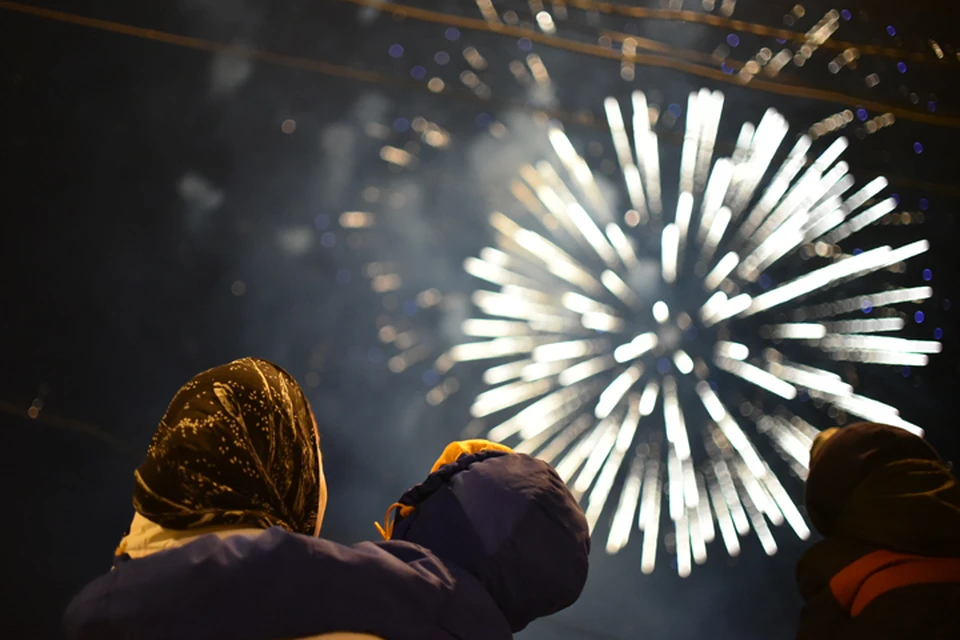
pixel 886 487
pixel 510 521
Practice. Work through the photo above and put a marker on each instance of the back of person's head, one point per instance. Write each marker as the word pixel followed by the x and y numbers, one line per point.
pixel 238 446
pixel 880 484
pixel 506 518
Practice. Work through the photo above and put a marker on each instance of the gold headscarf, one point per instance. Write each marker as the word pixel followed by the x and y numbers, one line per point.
pixel 237 446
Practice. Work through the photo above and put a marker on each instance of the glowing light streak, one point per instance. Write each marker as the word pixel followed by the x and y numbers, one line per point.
pixel 809 189
pixel 648 400
pixel 675 503
pixel 797 331
pixel 503 372
pixel 486 328
pixel 586 369
pixel 645 142
pixel 491 349
pixel 759 525
pixel 875 411
pixel 684 211
pixel 683 361
pixel 650 517
pixel 592 233
pixel 727 531
pixel 618 287
pixel 571 462
pixel 792 441
pixel 734 350
pixel 615 391
pixel 676 426
pixel 636 347
pixel 598 455
pixel 509 306
pixel 711 110
pixel 734 306
pixel 539 247
pixel 691 137
pixel 857 223
pixel 599 321
pixel 547 195
pixel 881 357
pixel 691 493
pixel 670 247
pixel 730 429
pixel 712 306
pixel 564 439
pixel 510 394
pixel 492 273
pixel 621 144
pixel 720 272
pixel 582 304
pixel 539 370
pixel 869 325
pixel 579 169
pixel 880 343
pixel 820 381
pixel 681 526
pixel 822 277
pixel 535 418
pixel 778 185
pixel 568 349
pixel 697 543
pixel 623 517
pixel 731 497
pixel 757 376
pixel 764 144
pixel 714 195
pixel 601 491
pixel 775 246
pixel 704 515
pixel 621 245
pixel 786 505
pixel 856 303
pixel 718 226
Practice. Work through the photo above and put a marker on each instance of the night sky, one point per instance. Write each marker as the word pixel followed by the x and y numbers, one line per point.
pixel 169 207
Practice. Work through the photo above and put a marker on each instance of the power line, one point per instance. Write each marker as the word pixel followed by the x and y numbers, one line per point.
pixel 665 62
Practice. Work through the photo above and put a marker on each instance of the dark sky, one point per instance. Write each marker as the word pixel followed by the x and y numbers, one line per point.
pixel 145 185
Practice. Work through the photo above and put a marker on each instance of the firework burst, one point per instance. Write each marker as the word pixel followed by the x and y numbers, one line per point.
pixel 638 355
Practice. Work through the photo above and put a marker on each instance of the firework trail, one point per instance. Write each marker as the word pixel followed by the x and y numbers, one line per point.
pixel 650 356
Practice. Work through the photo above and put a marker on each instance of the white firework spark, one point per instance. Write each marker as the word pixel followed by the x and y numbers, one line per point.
pixel 623 377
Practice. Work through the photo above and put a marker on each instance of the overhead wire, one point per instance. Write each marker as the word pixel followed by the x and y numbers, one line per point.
pixel 665 62
pixel 371 77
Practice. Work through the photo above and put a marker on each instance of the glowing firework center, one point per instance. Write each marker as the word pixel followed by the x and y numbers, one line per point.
pixel 650 356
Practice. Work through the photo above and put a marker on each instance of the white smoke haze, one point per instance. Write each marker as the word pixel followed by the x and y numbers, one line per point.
pixel 201 198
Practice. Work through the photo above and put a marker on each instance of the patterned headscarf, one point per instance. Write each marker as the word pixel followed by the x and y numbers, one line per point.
pixel 237 446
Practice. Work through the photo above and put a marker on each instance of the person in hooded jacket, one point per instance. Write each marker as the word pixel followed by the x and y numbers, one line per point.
pixel 490 541
pixel 889 564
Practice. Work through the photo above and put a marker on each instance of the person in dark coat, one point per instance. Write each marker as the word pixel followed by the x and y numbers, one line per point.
pixel 490 541
pixel 889 564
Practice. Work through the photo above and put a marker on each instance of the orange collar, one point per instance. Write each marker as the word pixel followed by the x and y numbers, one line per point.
pixel 860 582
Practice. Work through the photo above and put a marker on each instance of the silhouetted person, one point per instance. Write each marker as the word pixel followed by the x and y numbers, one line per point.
pixel 889 565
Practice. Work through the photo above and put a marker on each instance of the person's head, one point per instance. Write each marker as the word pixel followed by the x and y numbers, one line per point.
pixel 506 518
pixel 842 458
pixel 238 446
